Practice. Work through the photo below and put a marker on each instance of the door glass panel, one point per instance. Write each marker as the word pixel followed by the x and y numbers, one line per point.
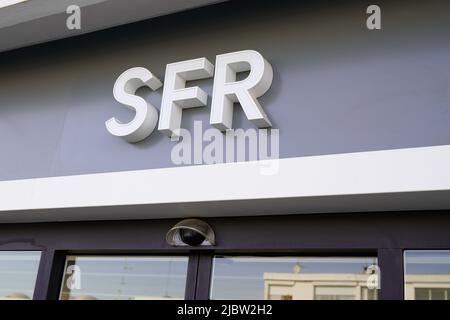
pixel 18 272
pixel 124 278
pixel 427 275
pixel 294 278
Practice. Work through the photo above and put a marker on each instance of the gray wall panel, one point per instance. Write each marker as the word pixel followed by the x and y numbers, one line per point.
pixel 337 87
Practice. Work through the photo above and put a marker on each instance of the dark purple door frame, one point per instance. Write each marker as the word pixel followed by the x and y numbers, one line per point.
pixel 385 235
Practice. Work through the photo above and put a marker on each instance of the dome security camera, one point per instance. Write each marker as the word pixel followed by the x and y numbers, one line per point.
pixel 191 232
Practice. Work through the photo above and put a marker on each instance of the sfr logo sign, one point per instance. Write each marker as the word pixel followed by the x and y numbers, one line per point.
pixel 176 96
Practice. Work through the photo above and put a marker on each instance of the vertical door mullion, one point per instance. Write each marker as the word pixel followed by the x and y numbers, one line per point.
pixel 390 262
pixel 50 273
pixel 191 278
pixel 204 275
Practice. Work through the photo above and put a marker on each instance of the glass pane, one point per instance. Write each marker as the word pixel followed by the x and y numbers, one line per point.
pixel 124 278
pixel 294 278
pixel 18 272
pixel 427 275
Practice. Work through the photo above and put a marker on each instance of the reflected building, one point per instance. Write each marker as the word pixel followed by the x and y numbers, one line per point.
pixel 15 296
pixel 310 286
pixel 317 286
pixel 427 287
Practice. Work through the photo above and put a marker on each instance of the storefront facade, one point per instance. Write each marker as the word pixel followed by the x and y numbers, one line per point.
pixel 347 195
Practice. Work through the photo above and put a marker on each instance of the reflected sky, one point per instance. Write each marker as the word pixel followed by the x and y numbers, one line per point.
pixel 427 262
pixel 128 277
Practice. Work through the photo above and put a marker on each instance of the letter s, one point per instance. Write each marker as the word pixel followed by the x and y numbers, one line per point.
pixel 146 116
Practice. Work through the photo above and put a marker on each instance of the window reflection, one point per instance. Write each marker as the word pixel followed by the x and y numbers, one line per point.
pixel 289 278
pixel 124 278
pixel 427 275
pixel 18 272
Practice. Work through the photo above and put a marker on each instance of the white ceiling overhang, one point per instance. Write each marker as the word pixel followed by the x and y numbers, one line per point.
pixel 38 21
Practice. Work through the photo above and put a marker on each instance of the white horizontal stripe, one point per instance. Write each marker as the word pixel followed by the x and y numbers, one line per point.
pixel 288 260
pixel 132 275
pixel 123 259
pixel 363 173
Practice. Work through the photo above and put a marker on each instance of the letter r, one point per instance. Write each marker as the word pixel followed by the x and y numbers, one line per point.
pixel 227 90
